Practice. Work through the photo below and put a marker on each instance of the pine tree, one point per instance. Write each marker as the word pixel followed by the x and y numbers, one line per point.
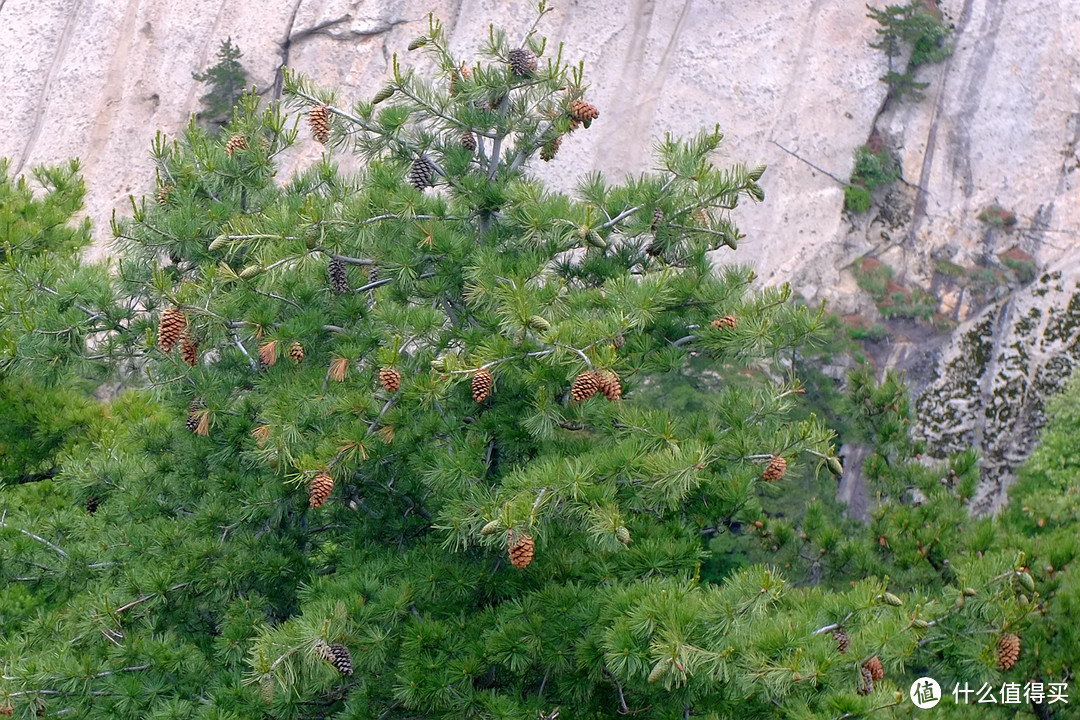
pixel 500 559
pixel 915 31
pixel 227 80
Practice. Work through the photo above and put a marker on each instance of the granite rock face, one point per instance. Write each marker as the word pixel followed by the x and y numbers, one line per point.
pixel 793 85
pixel 97 80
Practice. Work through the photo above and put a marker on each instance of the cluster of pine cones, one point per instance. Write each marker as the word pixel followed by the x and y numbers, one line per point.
pixel 173 328
pixel 871 672
pixel 591 382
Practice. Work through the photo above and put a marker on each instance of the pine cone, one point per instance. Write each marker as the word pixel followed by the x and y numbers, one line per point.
pixel 172 324
pixel 421 172
pixel 867 686
pixel 320 489
pixel 466 73
pixel 189 350
pixel 266 688
pixel 583 112
pixel 163 194
pixel 373 274
pixel 610 386
pixel 390 379
pixel 1008 651
pixel 549 150
pixel 657 218
pixel 585 386
pixel 843 640
pixel 468 140
pixel 728 322
pixel 338 276
pixel 481 385
pixel 7 709
pixel 877 672
pixel 92 503
pixel 195 415
pixel 236 142
pixel 341 659
pixel 319 120
pixel 296 351
pixel 775 470
pixel 523 62
pixel 618 341
pixel 522 550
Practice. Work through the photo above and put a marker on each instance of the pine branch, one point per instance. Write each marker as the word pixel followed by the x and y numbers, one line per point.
pixel 144 598
pixel 251 361
pixel 434 111
pixel 40 539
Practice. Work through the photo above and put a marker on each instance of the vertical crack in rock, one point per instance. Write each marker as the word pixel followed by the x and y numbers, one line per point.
pixel 58 62
pixel 286 46
pixel 977 73
pixel 919 211
pixel 115 77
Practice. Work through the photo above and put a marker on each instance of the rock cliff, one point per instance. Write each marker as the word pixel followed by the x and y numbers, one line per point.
pixel 794 85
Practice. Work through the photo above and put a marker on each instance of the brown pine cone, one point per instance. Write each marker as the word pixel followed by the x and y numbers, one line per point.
pixel 523 62
pixel 481 385
pixel 319 120
pixel 170 327
pixel 338 276
pixel 843 640
pixel 236 142
pixel 296 351
pixel 163 194
pixel 522 549
pixel 421 172
pixel 468 140
pixel 728 322
pixel 582 112
pixel 455 79
pixel 189 350
pixel 549 150
pixel 198 419
pixel 877 671
pixel 867 685
pixel 320 489
pixel 1008 651
pixel 341 659
pixel 610 386
pixel 775 470
pixel 585 386
pixel 390 379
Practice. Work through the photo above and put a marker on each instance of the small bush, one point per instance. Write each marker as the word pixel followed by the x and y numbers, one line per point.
pixel 873 169
pixel 1024 269
pixel 917 305
pixel 873 278
pixel 949 269
pixel 856 198
pixel 997 216
pixel 875 333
